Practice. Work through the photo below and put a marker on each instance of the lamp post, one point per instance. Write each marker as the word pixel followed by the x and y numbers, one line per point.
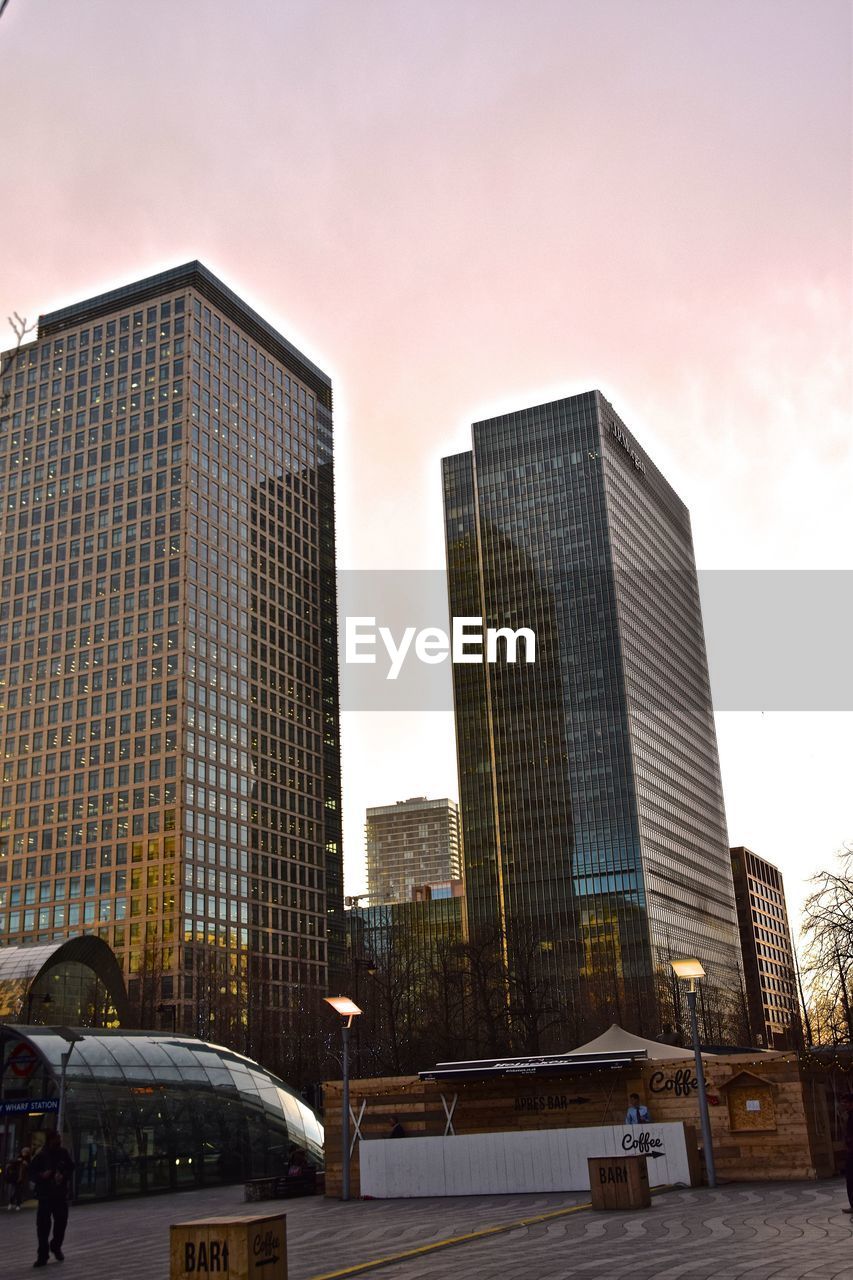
pixel 691 970
pixel 71 1038
pixel 349 1010
pixel 46 1000
pixel 369 965
pixel 171 1009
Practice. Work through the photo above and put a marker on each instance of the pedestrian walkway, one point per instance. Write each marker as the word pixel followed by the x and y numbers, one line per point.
pixel 748 1232
pixel 771 1231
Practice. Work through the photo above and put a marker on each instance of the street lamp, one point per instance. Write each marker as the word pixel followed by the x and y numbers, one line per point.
pixel 691 970
pixel 367 963
pixel 170 1009
pixel 46 1000
pixel 347 1009
pixel 71 1038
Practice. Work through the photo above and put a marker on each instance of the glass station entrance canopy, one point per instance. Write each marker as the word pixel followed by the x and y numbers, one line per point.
pixel 75 981
pixel 151 1112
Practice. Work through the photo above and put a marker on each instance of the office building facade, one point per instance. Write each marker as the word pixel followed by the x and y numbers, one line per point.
pixel 768 953
pixel 168 654
pixel 590 794
pixel 410 844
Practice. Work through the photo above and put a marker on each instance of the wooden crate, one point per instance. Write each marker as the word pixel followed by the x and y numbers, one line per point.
pixel 250 1247
pixel 619 1182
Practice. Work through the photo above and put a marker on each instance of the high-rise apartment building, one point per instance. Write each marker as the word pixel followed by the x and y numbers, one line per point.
pixel 168 652
pixel 590 795
pixel 411 843
pixel 768 953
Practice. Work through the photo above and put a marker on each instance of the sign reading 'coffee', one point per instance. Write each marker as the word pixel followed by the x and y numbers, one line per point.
pixel 681 1082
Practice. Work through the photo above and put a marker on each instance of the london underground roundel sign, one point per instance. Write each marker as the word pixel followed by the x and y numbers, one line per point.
pixel 23 1060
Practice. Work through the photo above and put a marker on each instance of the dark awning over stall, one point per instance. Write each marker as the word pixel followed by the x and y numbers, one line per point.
pixel 612 1051
pixel 544 1065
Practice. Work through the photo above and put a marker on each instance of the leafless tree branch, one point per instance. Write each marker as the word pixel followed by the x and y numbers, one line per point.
pixel 21 330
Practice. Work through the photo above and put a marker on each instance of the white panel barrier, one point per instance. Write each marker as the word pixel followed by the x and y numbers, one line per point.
pixel 502 1163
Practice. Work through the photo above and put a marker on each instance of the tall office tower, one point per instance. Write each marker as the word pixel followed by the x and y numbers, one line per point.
pixel 768 953
pixel 168 652
pixel 411 843
pixel 595 837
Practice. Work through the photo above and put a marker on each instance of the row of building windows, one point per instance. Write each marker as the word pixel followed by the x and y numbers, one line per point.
pixel 232 456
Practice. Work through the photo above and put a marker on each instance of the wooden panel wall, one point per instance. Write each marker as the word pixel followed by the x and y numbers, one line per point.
pixel 793 1149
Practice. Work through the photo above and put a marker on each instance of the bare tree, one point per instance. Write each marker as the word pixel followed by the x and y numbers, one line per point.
pixel 828 931
pixel 145 983
pixel 488 997
pixel 9 359
pixel 533 1008
pixel 445 1001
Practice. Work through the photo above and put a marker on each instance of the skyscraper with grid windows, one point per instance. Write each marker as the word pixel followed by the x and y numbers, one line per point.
pixel 168 652
pixel 595 837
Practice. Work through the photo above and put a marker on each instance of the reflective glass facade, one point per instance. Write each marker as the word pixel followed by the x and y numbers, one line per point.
pixel 168 660
pixel 153 1113
pixel 592 812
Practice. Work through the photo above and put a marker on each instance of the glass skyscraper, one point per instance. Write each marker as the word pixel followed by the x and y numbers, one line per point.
pixel 168 653
pixel 595 838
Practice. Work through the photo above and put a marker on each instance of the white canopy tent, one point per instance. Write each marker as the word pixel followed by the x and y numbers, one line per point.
pixel 614 1049
pixel 616 1040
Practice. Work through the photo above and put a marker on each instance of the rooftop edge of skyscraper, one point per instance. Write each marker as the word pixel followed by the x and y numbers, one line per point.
pixel 667 493
pixel 193 275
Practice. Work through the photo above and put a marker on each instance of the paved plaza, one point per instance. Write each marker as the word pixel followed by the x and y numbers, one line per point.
pixel 769 1231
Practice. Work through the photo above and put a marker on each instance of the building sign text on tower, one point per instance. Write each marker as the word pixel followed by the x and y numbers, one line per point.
pixel 619 434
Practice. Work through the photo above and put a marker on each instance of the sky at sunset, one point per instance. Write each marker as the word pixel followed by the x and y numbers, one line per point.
pixel 459 207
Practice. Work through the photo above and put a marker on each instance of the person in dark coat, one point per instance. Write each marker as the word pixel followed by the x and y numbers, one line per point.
pixel 397 1130
pixel 17 1179
pixel 50 1174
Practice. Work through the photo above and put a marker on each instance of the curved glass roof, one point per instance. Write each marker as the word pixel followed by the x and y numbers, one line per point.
pixel 26 962
pixel 142 1058
pixel 21 967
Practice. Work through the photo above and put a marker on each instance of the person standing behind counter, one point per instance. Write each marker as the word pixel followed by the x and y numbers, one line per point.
pixel 637 1112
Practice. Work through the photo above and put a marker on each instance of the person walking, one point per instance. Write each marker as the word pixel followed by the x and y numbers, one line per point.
pixel 637 1113
pixel 17 1178
pixel 397 1130
pixel 50 1173
pixel 848 1146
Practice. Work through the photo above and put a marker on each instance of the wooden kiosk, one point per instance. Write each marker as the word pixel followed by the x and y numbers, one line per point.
pixel 769 1117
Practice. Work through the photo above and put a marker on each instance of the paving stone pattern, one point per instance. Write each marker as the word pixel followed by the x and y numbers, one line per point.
pixel 791 1231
